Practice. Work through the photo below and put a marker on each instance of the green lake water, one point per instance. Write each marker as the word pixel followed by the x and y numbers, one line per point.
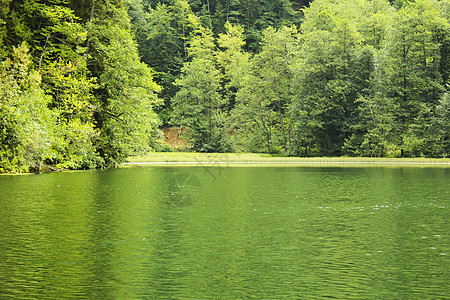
pixel 226 233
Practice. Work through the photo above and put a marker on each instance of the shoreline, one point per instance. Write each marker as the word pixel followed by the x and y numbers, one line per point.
pixel 190 159
pixel 277 162
pixel 236 159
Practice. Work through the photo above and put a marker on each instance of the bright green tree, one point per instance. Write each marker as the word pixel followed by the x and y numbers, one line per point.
pixel 74 104
pixel 125 96
pixel 198 105
pixel 26 123
pixel 63 65
pixel 57 41
pixel 267 90
pixel 232 60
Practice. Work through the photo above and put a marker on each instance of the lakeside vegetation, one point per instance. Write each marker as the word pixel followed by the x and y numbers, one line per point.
pixel 87 84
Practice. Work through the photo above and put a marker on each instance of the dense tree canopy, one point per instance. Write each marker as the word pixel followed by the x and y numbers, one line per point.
pixel 85 98
pixel 85 84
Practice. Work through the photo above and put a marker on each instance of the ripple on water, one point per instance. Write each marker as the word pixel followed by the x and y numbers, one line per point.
pixel 253 232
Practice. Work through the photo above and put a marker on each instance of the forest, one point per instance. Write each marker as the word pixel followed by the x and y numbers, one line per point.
pixel 88 83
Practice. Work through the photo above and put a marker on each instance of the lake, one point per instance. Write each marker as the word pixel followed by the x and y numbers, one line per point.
pixel 229 232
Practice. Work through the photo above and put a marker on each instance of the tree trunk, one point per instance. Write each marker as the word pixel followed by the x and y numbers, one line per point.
pixel 280 115
pixel 43 52
pixel 269 137
pixel 209 9
pixel 91 18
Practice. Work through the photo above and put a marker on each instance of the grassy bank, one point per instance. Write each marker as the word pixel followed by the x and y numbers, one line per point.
pixel 246 158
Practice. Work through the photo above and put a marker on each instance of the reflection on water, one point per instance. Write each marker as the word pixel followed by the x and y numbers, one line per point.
pixel 239 232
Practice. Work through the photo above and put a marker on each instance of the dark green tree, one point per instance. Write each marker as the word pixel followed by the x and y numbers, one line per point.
pixel 441 126
pixel 331 75
pixel 410 67
pixel 163 33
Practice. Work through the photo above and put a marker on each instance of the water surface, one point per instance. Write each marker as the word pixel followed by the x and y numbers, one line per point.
pixel 236 232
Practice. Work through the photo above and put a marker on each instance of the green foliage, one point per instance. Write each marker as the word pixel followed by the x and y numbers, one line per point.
pixel 26 123
pixel 162 33
pixel 380 63
pixel 73 103
pixel 125 95
pixel 441 127
pixel 410 72
pixel 198 106
pixel 375 134
pixel 267 89
pixel 332 73
pixel 359 78
pixel 94 105
pixel 232 61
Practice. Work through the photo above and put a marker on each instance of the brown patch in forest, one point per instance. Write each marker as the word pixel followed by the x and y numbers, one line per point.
pixel 172 136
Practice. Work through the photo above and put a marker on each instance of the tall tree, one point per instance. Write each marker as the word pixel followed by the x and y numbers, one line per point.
pixel 57 43
pixel 410 65
pixel 26 123
pixel 373 128
pixel 331 75
pixel 163 33
pixel 441 126
pixel 198 105
pixel 268 88
pixel 232 61
pixel 125 95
